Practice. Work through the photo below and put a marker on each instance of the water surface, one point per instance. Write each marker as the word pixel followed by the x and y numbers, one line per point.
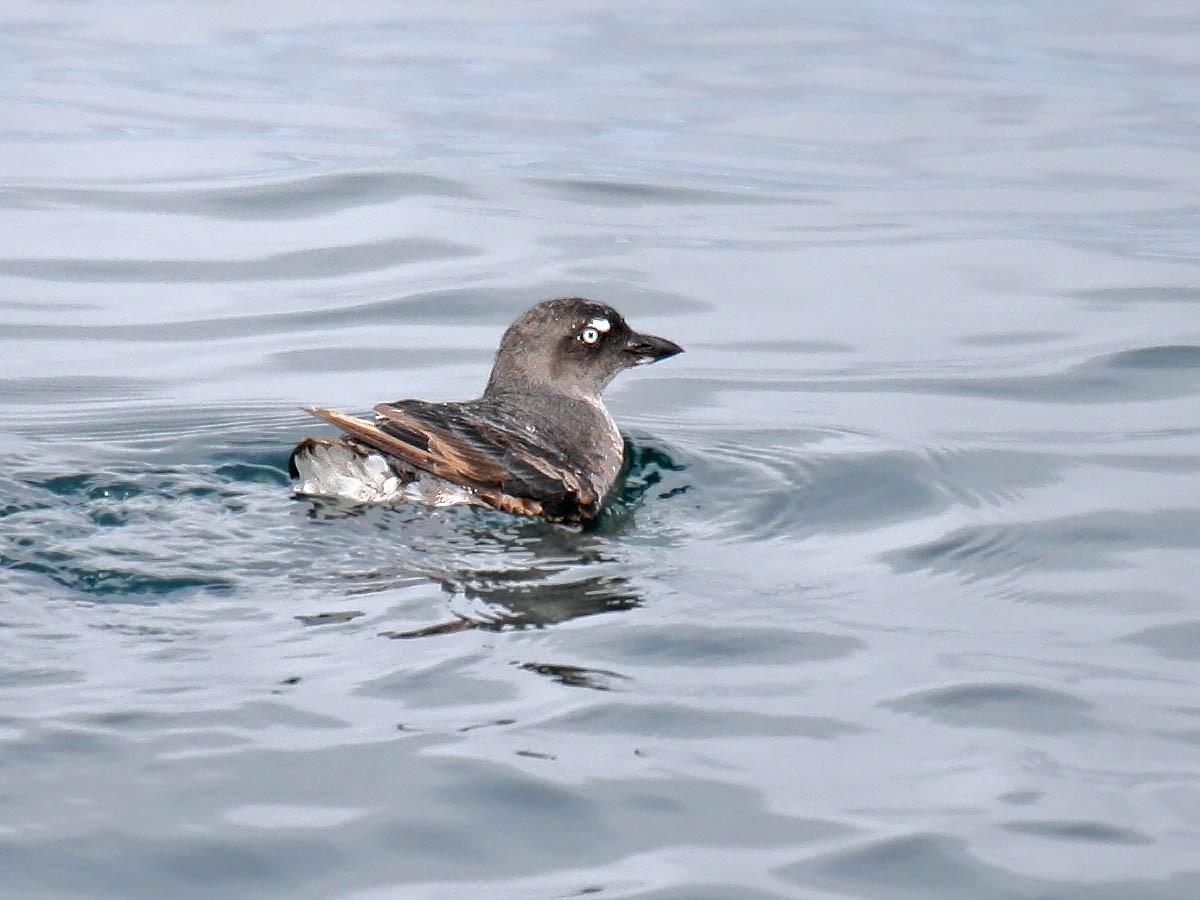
pixel 897 599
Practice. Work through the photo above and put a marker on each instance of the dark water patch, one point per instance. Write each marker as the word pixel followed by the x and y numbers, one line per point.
pixel 973 553
pixel 254 473
pixel 702 645
pixel 45 742
pixel 72 390
pixel 301 197
pixel 110 582
pixel 107 863
pixel 1142 374
pixel 30 678
pixel 316 262
pixel 1139 601
pixel 674 720
pixel 450 626
pixel 1167 357
pixel 361 359
pixel 848 492
pixel 913 866
pixel 1178 640
pixel 1098 540
pixel 1145 462
pixel 42 306
pixel 509 600
pixel 109 518
pixel 175 434
pixel 594 192
pixel 329 618
pixel 126 720
pixel 692 811
pixel 1079 832
pixel 984 476
pixel 578 676
pixel 534 754
pixel 252 449
pixel 1021 798
pixel 652 472
pixel 264 715
pixel 1187 736
pixel 939 867
pixel 494 723
pixel 752 491
pixel 222 727
pixel 378 312
pixel 136 532
pixel 86 487
pixel 15 505
pixel 1011 338
pixel 1104 379
pixel 1138 295
pixel 699 887
pixel 442 686
pixel 1011 707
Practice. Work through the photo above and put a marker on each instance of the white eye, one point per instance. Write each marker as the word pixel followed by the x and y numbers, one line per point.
pixel 589 335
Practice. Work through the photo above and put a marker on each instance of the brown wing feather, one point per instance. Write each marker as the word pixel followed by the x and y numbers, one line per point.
pixel 504 469
pixel 491 448
pixel 371 435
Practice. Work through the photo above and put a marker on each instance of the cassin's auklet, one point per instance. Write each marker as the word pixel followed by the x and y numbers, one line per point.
pixel 538 442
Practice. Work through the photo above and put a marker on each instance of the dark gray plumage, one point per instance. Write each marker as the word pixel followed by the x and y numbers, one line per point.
pixel 538 442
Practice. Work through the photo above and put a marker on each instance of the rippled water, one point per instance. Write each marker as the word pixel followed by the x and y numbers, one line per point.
pixel 898 597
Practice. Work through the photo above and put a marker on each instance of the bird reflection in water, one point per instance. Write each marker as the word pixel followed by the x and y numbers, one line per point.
pixel 529 600
pixel 513 573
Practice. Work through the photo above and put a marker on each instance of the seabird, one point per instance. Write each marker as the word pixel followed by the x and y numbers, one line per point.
pixel 539 442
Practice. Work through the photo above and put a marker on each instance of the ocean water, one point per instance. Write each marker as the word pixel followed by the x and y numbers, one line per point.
pixel 898 599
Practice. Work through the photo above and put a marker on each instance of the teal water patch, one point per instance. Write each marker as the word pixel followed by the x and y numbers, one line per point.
pixel 223 519
pixel 652 471
pixel 131 532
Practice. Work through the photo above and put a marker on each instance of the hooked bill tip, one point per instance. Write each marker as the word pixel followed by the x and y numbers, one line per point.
pixel 651 348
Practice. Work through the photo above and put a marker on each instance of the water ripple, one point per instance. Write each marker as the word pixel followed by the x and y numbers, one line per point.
pixel 1080 832
pixel 128 531
pixel 297 197
pixel 1096 540
pixel 618 193
pixel 755 491
pixel 1012 707
pixel 935 281
pixel 1139 374
pixel 942 867
pixel 1177 640
pixel 296 265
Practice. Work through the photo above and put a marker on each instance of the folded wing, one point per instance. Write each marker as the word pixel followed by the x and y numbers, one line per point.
pixel 474 446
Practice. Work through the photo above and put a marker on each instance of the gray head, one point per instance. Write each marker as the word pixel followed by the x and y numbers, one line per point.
pixel 573 346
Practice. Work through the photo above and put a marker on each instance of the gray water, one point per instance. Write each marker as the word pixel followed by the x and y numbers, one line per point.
pixel 898 599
